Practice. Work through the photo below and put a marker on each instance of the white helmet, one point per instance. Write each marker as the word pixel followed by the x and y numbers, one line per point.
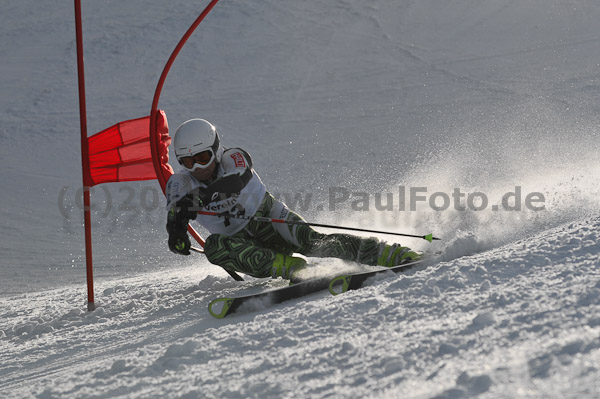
pixel 194 137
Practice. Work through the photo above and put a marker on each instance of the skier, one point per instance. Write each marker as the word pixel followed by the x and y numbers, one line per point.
pixel 222 180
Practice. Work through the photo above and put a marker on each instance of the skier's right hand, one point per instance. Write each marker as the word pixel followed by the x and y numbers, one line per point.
pixel 179 242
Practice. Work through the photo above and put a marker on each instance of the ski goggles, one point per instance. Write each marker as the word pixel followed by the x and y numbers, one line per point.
pixel 200 160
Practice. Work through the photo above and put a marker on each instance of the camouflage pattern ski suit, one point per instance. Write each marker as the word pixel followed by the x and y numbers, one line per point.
pixel 252 250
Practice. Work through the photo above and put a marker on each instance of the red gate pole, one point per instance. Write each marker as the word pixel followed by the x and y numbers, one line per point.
pixel 154 110
pixel 85 167
pixel 161 81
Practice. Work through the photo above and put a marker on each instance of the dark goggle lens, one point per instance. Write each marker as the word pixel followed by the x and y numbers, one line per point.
pixel 203 158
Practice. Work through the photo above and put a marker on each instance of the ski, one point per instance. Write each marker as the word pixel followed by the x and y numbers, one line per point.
pixel 342 283
pixel 221 307
pixel 224 306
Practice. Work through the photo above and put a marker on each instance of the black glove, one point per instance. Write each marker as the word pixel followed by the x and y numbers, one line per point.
pixel 177 221
pixel 179 243
pixel 199 198
pixel 218 190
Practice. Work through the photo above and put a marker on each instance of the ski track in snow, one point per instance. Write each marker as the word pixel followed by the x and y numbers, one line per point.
pixel 483 96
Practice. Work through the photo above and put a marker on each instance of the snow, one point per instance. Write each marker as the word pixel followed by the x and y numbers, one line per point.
pixel 366 96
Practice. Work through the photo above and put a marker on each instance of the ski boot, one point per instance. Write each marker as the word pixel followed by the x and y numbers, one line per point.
pixel 287 267
pixel 394 255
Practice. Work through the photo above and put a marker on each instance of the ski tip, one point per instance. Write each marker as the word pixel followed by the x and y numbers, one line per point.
pixel 219 307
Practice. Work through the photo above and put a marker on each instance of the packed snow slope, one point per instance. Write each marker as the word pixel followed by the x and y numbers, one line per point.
pixel 345 107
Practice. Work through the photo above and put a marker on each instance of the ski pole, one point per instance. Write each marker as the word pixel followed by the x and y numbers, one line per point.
pixel 428 237
pixel 233 274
